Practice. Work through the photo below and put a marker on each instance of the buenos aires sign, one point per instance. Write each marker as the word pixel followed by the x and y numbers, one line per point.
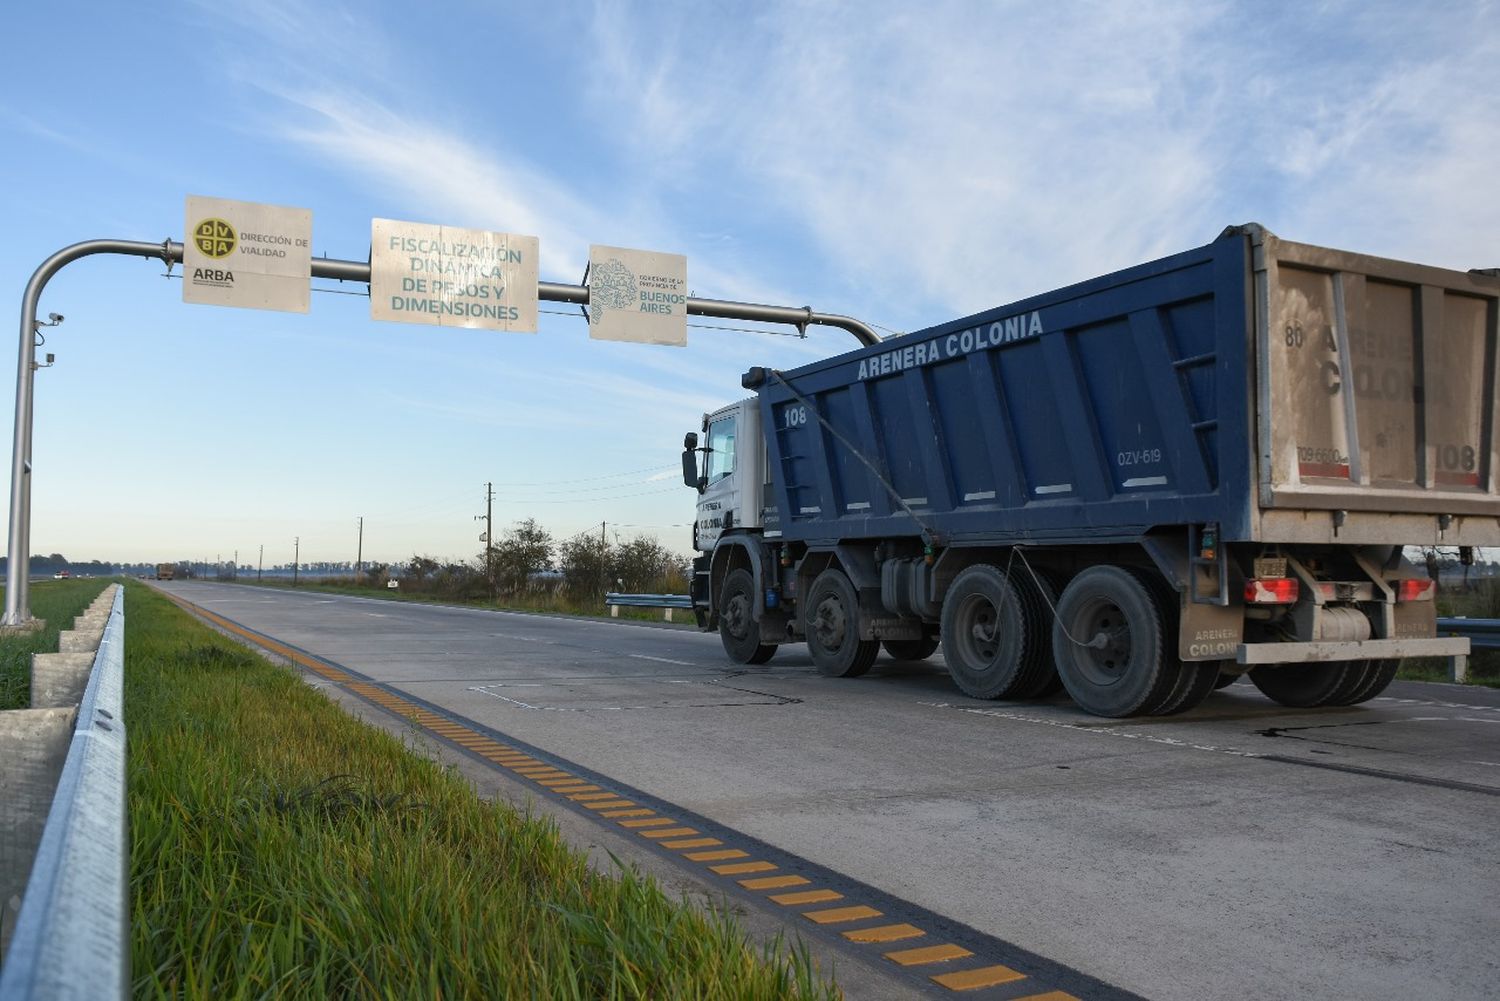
pixel 247 254
pixel 637 295
pixel 452 277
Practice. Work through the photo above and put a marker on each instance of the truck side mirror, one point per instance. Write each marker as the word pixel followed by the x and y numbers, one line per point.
pixel 690 461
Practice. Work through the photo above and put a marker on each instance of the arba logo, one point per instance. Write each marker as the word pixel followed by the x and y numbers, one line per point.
pixel 214 238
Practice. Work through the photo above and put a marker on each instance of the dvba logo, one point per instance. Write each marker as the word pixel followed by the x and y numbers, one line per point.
pixel 215 238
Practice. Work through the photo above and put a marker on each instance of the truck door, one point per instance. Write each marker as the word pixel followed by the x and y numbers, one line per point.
pixel 718 499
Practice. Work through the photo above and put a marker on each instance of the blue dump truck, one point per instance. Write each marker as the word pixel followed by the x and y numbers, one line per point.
pixel 1136 488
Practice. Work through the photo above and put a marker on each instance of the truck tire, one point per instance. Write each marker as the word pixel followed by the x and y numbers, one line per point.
pixel 911 649
pixel 1303 686
pixel 1376 676
pixel 738 630
pixel 832 625
pixel 1107 641
pixel 990 635
pixel 1039 588
pixel 1194 680
pixel 1226 678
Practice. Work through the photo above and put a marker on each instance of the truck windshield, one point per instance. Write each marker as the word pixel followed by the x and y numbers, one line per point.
pixel 720 448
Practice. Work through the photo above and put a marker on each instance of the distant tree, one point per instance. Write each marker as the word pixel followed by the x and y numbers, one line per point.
pixel 526 549
pixel 419 568
pixel 640 565
pixel 585 563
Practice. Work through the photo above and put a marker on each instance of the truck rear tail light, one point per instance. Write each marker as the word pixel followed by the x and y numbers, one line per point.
pixel 1275 591
pixel 1415 590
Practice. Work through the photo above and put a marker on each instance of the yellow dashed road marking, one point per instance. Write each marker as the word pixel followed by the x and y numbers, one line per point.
pixel 722 853
pixel 669 832
pixel 838 915
pixel 736 868
pixel 641 812
pixel 884 933
pixel 647 821
pixel 806 897
pixel 608 804
pixel 988 976
pixel 928 954
pixel 690 843
pixel 773 882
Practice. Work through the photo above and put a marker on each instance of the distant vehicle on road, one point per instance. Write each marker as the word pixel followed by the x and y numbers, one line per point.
pixel 61 575
pixel 166 571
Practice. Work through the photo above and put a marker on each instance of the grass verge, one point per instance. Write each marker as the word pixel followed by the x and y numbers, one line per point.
pixel 281 848
pixel 59 602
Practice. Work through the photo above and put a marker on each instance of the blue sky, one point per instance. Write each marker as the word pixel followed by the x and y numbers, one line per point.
pixel 901 163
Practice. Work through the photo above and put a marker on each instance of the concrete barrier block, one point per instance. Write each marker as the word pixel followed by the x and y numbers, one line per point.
pixel 71 641
pixel 33 746
pixel 58 679
pixel 90 620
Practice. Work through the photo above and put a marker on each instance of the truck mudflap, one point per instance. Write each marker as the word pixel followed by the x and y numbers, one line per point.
pixel 1252 654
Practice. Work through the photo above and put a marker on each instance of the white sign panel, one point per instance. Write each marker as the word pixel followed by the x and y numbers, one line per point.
pixel 247 254
pixel 637 295
pixel 452 277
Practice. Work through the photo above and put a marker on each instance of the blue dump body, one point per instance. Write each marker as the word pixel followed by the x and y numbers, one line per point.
pixel 1244 377
pixel 1099 410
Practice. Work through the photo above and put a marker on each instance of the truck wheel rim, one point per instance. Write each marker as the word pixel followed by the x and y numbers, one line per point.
pixel 978 622
pixel 735 615
pixel 1105 635
pixel 830 623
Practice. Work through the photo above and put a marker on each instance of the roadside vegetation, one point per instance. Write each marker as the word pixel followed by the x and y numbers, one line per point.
pixel 282 848
pixel 59 602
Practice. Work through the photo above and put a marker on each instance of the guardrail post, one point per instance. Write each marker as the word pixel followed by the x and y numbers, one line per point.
pixel 1458 668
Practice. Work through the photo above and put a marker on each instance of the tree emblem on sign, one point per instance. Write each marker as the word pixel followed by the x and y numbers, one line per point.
pixel 214 237
pixel 611 286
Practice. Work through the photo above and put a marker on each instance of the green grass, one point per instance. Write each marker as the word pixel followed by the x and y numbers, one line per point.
pixel 279 848
pixel 57 601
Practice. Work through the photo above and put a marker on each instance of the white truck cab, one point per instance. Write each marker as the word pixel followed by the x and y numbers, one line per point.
pixel 731 477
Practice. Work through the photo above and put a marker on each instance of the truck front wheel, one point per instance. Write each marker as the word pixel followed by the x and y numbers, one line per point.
pixel 738 630
pixel 832 626
pixel 1109 646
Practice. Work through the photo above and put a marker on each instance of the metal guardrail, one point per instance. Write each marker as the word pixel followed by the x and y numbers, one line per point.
pixel 1483 634
pixel 648 600
pixel 668 602
pixel 72 935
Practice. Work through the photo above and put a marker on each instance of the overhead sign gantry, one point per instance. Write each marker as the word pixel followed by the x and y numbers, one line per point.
pixel 260 257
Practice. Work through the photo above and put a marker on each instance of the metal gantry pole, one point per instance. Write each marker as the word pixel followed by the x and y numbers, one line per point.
pixel 17 583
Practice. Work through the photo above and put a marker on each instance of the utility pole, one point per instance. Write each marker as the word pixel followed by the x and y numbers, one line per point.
pixel 489 535
pixel 296 558
pixel 260 564
pixel 359 558
pixel 603 558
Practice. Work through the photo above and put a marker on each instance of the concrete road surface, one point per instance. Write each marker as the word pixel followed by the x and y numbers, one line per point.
pixel 1241 850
